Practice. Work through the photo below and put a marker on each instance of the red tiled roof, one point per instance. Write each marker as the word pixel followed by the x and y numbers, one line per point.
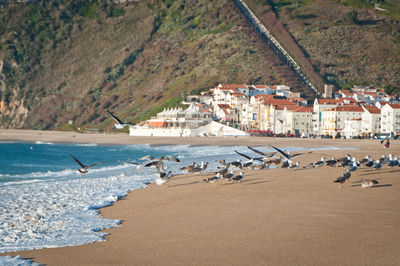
pixel 272 101
pixel 264 95
pixel 260 86
pixel 373 109
pixel 328 101
pixel 237 94
pixel 347 108
pixel 304 110
pixel 224 106
pixel 394 106
pixel 288 107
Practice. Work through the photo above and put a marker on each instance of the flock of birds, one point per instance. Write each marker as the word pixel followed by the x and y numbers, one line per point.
pixel 226 170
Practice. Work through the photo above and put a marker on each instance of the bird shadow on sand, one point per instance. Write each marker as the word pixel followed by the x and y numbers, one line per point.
pixel 185 184
pixel 377 172
pixel 259 182
pixel 360 181
pixel 376 186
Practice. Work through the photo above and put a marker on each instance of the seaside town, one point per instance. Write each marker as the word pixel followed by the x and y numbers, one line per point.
pixel 241 109
pixel 250 132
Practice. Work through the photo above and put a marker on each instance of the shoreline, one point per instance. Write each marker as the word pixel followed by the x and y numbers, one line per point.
pixel 22 135
pixel 282 216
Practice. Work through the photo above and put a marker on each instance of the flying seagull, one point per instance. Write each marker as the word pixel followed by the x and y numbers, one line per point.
pixel 264 154
pixel 119 124
pixel 84 168
pixel 288 155
pixel 164 177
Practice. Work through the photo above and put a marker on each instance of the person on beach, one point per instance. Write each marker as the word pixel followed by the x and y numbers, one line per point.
pixel 387 144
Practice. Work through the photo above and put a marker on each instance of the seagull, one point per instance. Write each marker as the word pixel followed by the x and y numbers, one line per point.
pixel 201 168
pixel 341 179
pixel 238 178
pixel 250 162
pixel 332 162
pixel 288 155
pixel 296 165
pixel 369 183
pixel 285 163
pixel 164 177
pixel 127 162
pixel 248 157
pixel 229 175
pixel 264 165
pixel 119 124
pixel 237 164
pixel 353 167
pixel 394 162
pixel 344 161
pixel 370 163
pixel 378 164
pixel 159 165
pixel 264 154
pixel 319 163
pixel 189 168
pixel 213 178
pixel 84 168
pixel 364 160
pixel 162 158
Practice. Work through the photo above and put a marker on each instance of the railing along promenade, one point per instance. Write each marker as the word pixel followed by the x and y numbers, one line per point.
pixel 274 44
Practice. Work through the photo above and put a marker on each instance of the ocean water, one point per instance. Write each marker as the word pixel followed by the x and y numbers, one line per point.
pixel 46 202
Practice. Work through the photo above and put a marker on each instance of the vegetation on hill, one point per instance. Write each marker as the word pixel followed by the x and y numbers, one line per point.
pixel 63 63
pixel 66 62
pixel 349 42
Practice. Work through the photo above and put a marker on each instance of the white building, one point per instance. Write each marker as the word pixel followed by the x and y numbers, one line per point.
pixel 321 105
pixel 371 120
pixel 299 120
pixel 333 120
pixel 352 128
pixel 390 118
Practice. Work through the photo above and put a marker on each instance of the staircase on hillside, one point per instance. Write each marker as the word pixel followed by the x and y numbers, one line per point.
pixel 275 45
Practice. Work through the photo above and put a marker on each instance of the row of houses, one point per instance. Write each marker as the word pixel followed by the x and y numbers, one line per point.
pixel 277 110
pixel 366 111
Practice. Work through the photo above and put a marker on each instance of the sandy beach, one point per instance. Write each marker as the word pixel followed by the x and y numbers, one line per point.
pixel 273 217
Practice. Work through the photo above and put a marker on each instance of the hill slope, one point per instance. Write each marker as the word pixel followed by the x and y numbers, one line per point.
pixel 348 42
pixel 71 61
pixel 63 62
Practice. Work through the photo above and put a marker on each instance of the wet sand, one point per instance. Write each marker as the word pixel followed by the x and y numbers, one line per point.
pixel 273 217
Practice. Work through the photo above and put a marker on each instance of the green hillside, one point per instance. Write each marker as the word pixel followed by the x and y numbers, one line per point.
pixel 63 63
pixel 348 41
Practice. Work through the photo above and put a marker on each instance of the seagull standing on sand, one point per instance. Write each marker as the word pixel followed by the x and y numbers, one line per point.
pixel 341 179
pixel 213 178
pixel 84 168
pixel 319 163
pixel 332 162
pixel 369 183
pixel 378 164
pixel 370 163
pixel 238 177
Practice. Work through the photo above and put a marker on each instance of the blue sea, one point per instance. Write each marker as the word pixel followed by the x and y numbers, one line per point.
pixel 46 202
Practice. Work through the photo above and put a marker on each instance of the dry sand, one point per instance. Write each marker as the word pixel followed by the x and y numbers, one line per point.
pixel 273 217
